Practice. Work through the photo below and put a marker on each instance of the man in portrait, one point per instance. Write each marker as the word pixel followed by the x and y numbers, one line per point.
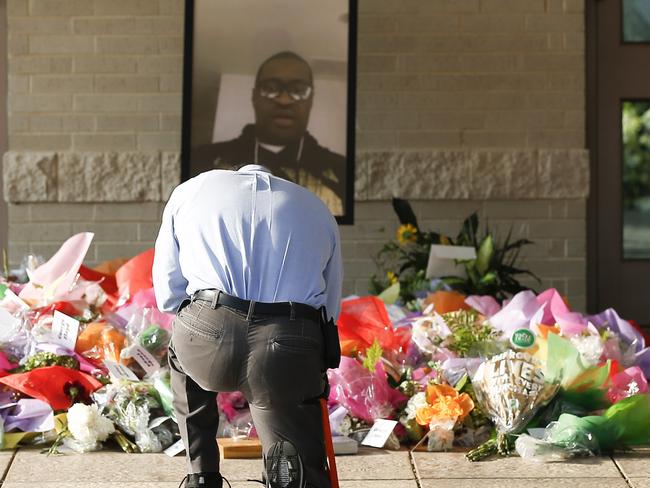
pixel 282 99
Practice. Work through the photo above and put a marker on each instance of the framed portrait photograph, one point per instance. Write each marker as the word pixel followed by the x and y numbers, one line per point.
pixel 273 83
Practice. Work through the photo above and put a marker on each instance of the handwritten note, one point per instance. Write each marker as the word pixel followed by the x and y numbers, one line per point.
pixel 379 433
pixel 64 330
pixel 119 371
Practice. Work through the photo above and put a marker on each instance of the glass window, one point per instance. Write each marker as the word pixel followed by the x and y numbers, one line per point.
pixel 636 179
pixel 636 20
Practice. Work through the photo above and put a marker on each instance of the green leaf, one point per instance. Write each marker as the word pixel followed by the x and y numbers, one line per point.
pixel 484 255
pixel 488 278
pixel 373 354
pixel 3 289
pixel 390 295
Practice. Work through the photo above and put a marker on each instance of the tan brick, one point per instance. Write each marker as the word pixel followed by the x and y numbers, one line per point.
pixel 556 100
pixel 429 63
pixel 78 123
pixel 40 25
pixel 62 84
pixel 576 248
pixel 18 123
pixel 160 103
pixel 126 84
pixel 558 268
pixel 389 6
pixel 359 268
pixel 69 212
pixel 489 63
pixel 418 24
pixel 576 209
pixel 556 139
pixel 40 232
pixel 574 42
pixel 522 209
pixel 171 83
pixel 512 6
pixel 170 122
pixel 105 103
pixel 61 44
pixel 104 64
pixel 388 120
pixel 18 84
pixel 19 212
pixel 126 7
pixel 109 232
pixel 99 26
pixel 362 286
pixel 45 123
pixel 555 23
pixel 159 25
pixel 492 23
pixel 160 64
pixel 40 103
pixel 103 142
pixel 367 250
pixel 428 139
pixel 118 212
pixel 127 44
pixel 454 119
pixel 105 251
pixel 171 7
pixel 494 100
pixel 451 6
pixel 377 25
pixel 17 44
pixel 558 209
pixel 170 45
pixel 163 141
pixel 376 63
pixel 41 142
pixel 574 119
pixel 553 228
pixel 147 232
pixel 494 139
pixel 127 123
pixel 16 7
pixel 574 6
pixel 348 287
pixel 376 140
pixel 60 8
pixel 552 62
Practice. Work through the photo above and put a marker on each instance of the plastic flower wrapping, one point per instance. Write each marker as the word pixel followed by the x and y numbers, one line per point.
pixel 525 375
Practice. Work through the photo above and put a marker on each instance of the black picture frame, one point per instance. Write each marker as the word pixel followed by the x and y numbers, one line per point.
pixel 189 167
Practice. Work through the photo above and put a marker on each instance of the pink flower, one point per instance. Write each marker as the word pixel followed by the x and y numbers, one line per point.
pixel 627 383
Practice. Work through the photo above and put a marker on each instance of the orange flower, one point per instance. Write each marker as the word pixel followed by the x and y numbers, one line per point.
pixel 444 403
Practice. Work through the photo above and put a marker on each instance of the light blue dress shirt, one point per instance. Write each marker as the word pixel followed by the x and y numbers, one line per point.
pixel 251 235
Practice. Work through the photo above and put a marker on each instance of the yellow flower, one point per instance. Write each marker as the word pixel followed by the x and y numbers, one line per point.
pixel 392 277
pixel 444 240
pixel 407 233
pixel 444 403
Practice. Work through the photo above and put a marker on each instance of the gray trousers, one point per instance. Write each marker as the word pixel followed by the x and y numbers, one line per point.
pixel 276 362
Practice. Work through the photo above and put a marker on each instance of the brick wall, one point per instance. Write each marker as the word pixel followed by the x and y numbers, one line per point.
pixel 477 75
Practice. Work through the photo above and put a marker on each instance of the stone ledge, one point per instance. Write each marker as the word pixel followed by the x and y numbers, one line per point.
pixel 444 174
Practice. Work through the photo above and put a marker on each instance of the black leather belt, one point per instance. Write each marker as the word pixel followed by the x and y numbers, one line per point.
pixel 292 310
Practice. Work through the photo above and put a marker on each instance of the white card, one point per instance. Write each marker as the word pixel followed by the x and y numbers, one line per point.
pixel 11 297
pixel 64 330
pixel 119 371
pixel 144 359
pixel 175 448
pixel 442 260
pixel 379 433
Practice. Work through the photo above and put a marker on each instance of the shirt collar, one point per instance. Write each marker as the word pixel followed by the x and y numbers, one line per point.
pixel 254 167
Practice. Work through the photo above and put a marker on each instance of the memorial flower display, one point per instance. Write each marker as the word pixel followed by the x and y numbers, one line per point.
pixel 503 372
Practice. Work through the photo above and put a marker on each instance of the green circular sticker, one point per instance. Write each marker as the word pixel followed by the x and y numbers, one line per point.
pixel 522 338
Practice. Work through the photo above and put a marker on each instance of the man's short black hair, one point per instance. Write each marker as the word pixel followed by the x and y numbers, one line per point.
pixel 284 55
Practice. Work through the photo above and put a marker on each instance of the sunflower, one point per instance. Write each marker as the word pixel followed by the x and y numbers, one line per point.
pixel 407 233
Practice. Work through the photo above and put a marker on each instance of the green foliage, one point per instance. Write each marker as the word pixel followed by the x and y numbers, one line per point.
pixel 494 272
pixel 467 332
pixel 636 153
pixel 45 358
pixel 373 354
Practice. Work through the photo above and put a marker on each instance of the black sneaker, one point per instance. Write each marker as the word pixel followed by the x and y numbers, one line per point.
pixel 283 466
pixel 203 480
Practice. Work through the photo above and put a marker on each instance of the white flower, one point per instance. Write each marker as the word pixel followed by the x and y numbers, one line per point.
pixel 590 348
pixel 88 427
pixel 416 401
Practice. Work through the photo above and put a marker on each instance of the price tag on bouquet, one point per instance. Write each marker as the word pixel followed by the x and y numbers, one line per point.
pixel 379 433
pixel 64 330
pixel 175 448
pixel 144 359
pixel 119 371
